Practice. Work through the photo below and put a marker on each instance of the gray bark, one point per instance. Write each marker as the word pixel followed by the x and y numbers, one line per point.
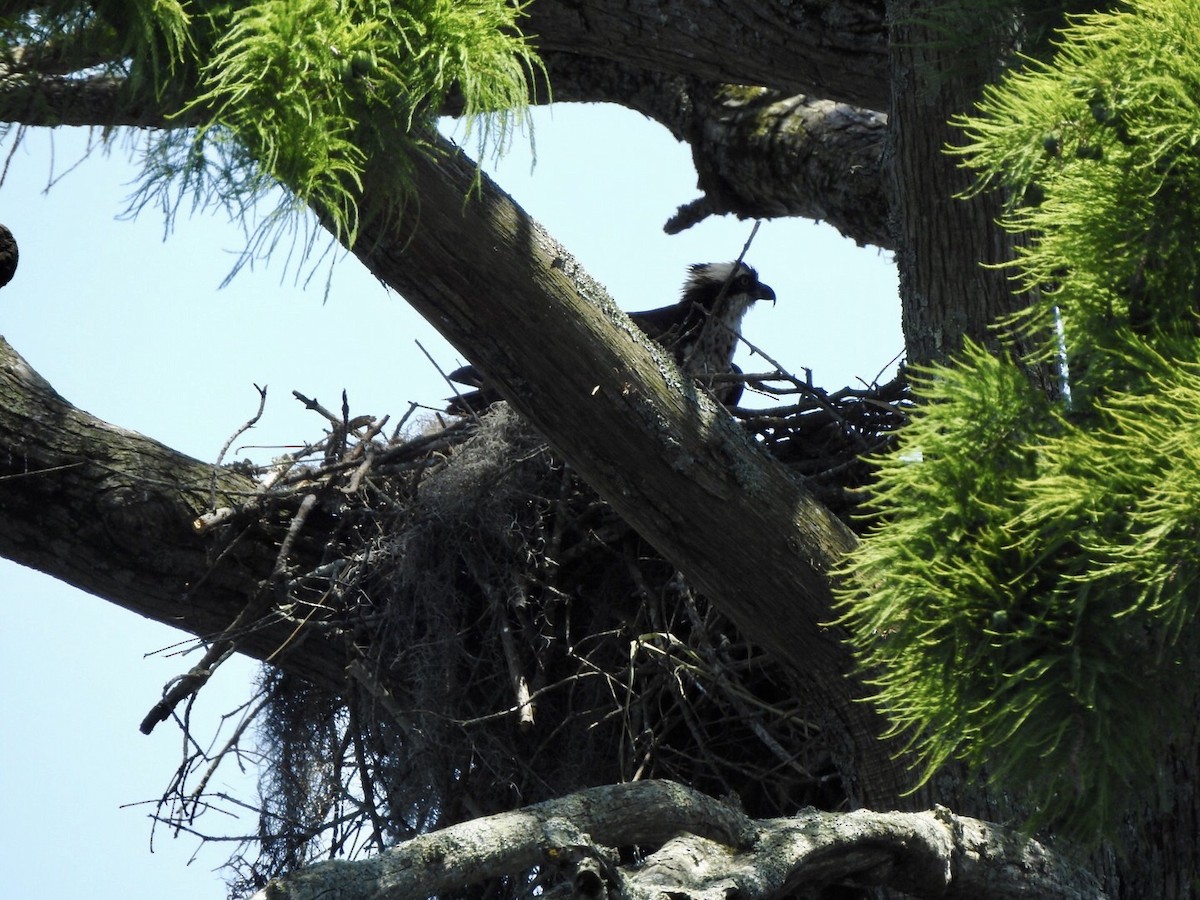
pixel 112 512
pixel 949 250
pixel 706 850
pixel 833 50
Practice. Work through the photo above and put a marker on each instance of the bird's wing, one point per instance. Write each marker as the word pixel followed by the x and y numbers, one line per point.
pixel 668 324
pixel 468 375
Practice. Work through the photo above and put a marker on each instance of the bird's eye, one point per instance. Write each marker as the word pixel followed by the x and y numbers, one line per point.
pixel 742 282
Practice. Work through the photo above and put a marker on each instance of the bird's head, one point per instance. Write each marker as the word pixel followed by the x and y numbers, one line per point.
pixel 735 284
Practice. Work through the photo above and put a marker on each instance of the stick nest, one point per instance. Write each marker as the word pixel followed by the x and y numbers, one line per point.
pixel 509 639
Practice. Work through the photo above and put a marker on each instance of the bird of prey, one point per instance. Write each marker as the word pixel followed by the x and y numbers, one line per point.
pixel 701 331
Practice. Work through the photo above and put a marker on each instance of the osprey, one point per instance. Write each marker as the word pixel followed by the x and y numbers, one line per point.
pixel 701 331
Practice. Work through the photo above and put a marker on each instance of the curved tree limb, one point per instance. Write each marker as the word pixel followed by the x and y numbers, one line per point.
pixel 763 155
pixel 832 50
pixel 705 849
pixel 759 153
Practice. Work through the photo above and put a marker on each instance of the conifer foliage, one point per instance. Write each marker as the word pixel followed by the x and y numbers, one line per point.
pixel 1027 599
pixel 298 93
pixel 304 85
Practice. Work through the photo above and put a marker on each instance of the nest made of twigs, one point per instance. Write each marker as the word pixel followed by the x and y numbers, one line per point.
pixel 510 639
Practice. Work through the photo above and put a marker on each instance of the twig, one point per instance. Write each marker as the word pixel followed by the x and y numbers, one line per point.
pixel 188 685
pixel 184 686
pixel 446 378
pixel 357 727
pixel 250 423
pixel 412 408
pixel 230 744
pixel 313 404
pixel 520 684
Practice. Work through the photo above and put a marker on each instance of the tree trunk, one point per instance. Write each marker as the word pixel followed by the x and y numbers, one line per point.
pixel 946 247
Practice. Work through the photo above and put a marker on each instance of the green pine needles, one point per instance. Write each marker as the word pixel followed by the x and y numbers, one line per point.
pixel 312 87
pixel 1023 604
pixel 1099 148
pixel 1027 602
pixel 304 93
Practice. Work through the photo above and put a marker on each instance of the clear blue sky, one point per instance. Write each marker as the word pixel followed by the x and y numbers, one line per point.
pixel 135 330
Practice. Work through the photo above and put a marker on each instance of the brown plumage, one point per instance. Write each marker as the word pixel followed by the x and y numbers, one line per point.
pixel 8 255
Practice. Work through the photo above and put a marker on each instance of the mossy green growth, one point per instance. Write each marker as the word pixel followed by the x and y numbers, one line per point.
pixel 1027 599
pixel 298 93
pixel 314 87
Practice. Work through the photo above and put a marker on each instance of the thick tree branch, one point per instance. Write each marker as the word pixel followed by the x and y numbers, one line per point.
pixel 90 48
pixel 111 512
pixel 832 50
pixel 762 155
pixel 759 153
pixel 102 101
pixel 706 849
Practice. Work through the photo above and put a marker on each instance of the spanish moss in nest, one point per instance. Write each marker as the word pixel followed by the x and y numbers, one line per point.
pixel 301 731
pixel 509 639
